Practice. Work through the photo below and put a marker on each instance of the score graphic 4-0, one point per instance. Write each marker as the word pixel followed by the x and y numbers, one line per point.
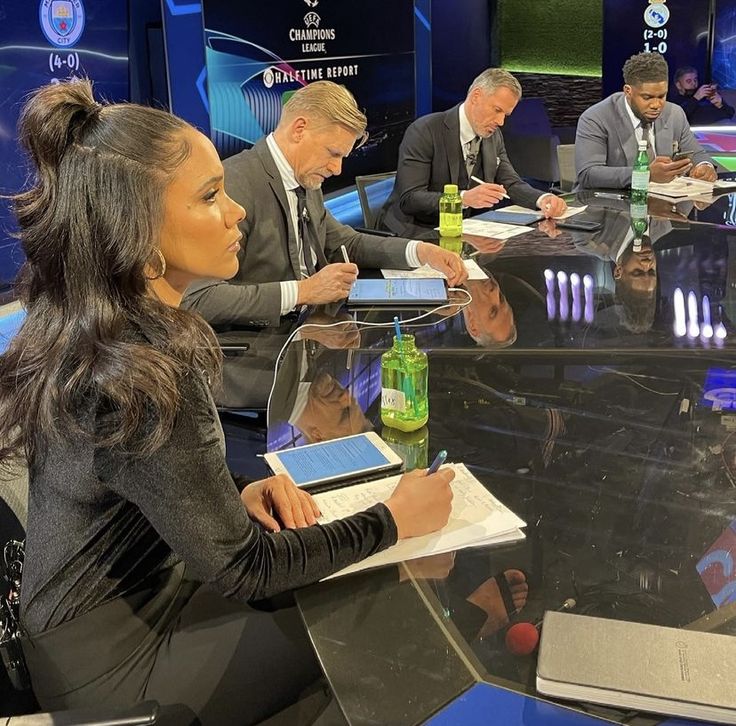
pixel 62 22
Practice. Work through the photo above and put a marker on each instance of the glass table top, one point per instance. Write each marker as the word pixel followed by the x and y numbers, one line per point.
pixel 607 423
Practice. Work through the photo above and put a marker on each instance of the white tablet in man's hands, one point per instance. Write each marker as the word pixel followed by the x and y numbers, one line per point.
pixel 331 464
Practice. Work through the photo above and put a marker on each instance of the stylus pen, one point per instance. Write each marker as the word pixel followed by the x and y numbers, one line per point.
pixel 345 254
pixel 439 460
pixel 608 195
pixel 480 181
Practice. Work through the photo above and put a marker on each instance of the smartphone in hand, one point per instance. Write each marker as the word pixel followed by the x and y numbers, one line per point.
pixel 680 155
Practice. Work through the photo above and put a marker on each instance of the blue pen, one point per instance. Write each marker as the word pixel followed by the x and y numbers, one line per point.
pixel 439 460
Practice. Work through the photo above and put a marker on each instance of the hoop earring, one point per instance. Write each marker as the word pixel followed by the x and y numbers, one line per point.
pixel 162 261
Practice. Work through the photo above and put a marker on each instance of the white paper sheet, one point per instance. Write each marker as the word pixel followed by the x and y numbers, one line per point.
pixel 569 212
pixel 496 230
pixel 681 188
pixel 474 272
pixel 477 518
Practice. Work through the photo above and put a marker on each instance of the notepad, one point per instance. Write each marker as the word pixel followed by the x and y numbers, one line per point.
pixel 477 518
pixel 638 666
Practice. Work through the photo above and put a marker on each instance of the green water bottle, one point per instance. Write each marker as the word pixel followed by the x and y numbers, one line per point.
pixel 404 403
pixel 411 446
pixel 640 175
pixel 639 223
pixel 454 244
pixel 451 212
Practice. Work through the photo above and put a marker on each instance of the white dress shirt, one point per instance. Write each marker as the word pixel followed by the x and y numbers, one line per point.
pixel 638 131
pixel 466 135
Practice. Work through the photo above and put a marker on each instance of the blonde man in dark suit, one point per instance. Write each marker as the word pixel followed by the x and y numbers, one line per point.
pixel 291 255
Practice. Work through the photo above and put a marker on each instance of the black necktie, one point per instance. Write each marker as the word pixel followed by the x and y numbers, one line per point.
pixel 646 136
pixel 303 231
pixel 471 157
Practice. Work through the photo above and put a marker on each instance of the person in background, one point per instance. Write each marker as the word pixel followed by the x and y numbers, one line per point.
pixel 453 146
pixel 702 104
pixel 141 555
pixel 293 256
pixel 608 133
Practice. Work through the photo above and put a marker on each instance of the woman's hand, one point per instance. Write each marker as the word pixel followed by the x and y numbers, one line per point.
pixel 278 499
pixel 421 504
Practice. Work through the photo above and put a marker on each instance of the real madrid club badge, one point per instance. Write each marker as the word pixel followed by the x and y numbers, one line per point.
pixel 656 14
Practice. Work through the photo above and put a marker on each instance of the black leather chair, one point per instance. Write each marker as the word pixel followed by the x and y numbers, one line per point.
pixel 18 706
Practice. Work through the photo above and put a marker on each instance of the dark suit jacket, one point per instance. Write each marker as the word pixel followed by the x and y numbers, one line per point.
pixel 430 157
pixel 269 254
pixel 606 147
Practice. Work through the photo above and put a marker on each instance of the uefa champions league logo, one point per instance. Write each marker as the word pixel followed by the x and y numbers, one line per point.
pixel 62 21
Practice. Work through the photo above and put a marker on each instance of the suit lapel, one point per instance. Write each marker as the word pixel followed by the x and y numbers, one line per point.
pixel 452 143
pixel 489 154
pixel 663 134
pixel 277 186
pixel 625 131
pixel 315 205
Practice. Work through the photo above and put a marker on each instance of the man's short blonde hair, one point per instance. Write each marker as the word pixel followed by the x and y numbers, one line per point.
pixel 328 102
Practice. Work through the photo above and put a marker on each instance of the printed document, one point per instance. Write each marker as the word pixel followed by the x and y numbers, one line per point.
pixel 477 518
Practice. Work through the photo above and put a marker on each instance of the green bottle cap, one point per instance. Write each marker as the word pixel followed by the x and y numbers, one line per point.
pixel 450 188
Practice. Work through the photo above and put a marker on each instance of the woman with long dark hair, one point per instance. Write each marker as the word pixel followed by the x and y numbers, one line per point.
pixel 105 393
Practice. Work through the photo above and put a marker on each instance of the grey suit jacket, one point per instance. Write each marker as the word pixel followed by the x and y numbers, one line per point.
pixel 430 157
pixel 269 251
pixel 606 147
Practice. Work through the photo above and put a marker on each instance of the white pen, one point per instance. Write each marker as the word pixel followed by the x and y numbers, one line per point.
pixel 480 181
pixel 345 254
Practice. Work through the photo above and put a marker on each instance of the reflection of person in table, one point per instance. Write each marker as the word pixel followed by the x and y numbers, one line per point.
pixel 635 273
pixel 324 410
pixel 489 318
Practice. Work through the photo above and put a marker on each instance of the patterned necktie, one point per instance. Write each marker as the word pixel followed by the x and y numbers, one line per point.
pixel 471 156
pixel 303 231
pixel 646 136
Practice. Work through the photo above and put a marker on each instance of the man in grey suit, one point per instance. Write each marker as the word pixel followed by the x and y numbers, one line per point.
pixel 452 147
pixel 292 252
pixel 608 134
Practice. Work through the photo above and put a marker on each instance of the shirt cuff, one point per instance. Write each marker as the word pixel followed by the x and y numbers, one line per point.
pixel 542 196
pixel 709 163
pixel 462 195
pixel 289 295
pixel 412 257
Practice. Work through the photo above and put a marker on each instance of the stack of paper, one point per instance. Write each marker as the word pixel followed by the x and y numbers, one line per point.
pixel 496 230
pixel 518 209
pixel 474 272
pixel 477 518
pixel 682 187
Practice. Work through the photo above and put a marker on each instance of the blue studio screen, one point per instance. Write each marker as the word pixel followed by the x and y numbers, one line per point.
pixel 44 41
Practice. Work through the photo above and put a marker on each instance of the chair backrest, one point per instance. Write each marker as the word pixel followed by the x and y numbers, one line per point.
pixel 566 163
pixel 530 118
pixel 373 191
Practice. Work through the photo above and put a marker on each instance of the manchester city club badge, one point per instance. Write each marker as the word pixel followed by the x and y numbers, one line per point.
pixel 62 21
